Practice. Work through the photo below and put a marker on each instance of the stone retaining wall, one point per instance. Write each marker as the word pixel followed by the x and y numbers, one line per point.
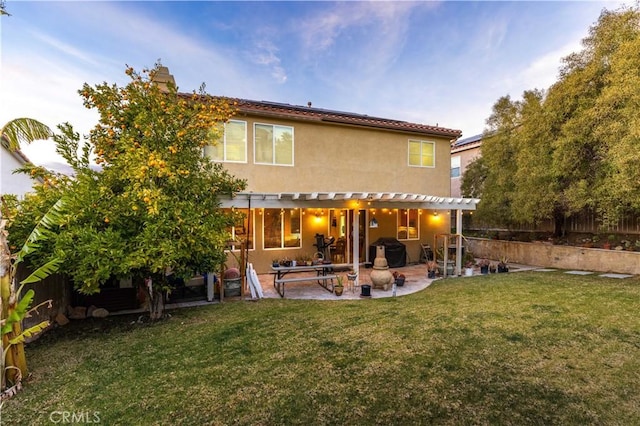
pixel 562 257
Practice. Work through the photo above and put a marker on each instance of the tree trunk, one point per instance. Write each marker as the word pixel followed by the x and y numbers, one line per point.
pixel 156 307
pixel 558 224
pixel 156 300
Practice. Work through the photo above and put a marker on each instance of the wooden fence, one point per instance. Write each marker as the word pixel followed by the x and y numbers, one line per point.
pixel 56 288
pixel 587 222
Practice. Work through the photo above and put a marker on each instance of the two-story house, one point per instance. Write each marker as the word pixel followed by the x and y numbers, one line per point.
pixel 463 152
pixel 349 176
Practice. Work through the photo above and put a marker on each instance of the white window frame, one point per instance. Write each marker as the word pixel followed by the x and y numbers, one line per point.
pixel 399 224
pixel 273 145
pixel 455 164
pixel 422 144
pixel 283 226
pixel 224 145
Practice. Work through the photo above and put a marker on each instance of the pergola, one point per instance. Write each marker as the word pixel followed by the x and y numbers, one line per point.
pixel 356 201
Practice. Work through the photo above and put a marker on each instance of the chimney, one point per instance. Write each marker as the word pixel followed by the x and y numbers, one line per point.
pixel 162 77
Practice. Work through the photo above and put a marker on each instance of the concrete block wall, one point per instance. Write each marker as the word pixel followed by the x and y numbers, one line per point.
pixel 562 257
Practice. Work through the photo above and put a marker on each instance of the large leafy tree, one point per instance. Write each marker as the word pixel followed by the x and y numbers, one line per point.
pixel 152 209
pixel 498 148
pixel 554 154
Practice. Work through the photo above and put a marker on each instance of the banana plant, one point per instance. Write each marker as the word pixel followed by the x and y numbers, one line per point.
pixel 14 307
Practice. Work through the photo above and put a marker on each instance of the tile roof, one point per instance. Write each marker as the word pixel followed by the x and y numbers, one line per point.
pixel 298 112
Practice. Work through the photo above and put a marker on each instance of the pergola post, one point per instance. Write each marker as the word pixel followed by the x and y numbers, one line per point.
pixel 459 241
pixel 356 242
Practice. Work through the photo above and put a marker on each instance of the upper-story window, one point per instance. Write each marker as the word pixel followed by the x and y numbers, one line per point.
pixel 455 166
pixel 233 147
pixel 422 153
pixel 273 144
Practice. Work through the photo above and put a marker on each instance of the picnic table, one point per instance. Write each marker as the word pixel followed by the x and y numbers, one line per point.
pixel 323 275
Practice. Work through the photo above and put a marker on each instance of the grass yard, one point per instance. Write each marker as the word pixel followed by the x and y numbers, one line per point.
pixel 520 348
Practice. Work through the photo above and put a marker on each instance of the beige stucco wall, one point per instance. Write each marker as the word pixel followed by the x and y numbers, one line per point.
pixel 330 157
pixel 429 226
pixel 341 158
pixel 563 257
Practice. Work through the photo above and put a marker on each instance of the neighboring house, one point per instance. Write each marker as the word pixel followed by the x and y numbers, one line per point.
pixel 18 184
pixel 316 171
pixel 463 152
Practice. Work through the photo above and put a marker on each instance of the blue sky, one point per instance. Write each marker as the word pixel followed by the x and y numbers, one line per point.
pixel 429 62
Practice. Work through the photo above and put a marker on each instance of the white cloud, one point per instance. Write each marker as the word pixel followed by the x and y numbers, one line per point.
pixel 428 62
pixel 65 48
pixel 42 83
pixel 542 72
pixel 265 54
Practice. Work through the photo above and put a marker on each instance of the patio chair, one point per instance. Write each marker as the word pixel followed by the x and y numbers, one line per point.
pixel 338 251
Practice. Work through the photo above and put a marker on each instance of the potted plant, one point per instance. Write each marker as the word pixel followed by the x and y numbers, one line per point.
pixel 308 259
pixel 492 268
pixel 503 265
pixel 468 268
pixel 338 288
pixel 275 263
pixel 484 266
pixel 285 262
pixel 451 265
pixel 432 269
pixel 399 279
pixel 611 239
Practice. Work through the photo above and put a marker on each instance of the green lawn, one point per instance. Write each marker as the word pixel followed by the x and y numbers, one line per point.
pixel 519 348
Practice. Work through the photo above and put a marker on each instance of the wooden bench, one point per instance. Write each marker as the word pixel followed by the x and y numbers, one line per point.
pixel 321 279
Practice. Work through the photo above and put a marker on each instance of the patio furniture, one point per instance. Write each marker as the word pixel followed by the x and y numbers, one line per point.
pixel 426 254
pixel 394 251
pixel 338 251
pixel 352 280
pixel 322 277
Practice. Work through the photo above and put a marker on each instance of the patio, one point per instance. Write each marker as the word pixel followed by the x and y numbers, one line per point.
pixel 416 280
